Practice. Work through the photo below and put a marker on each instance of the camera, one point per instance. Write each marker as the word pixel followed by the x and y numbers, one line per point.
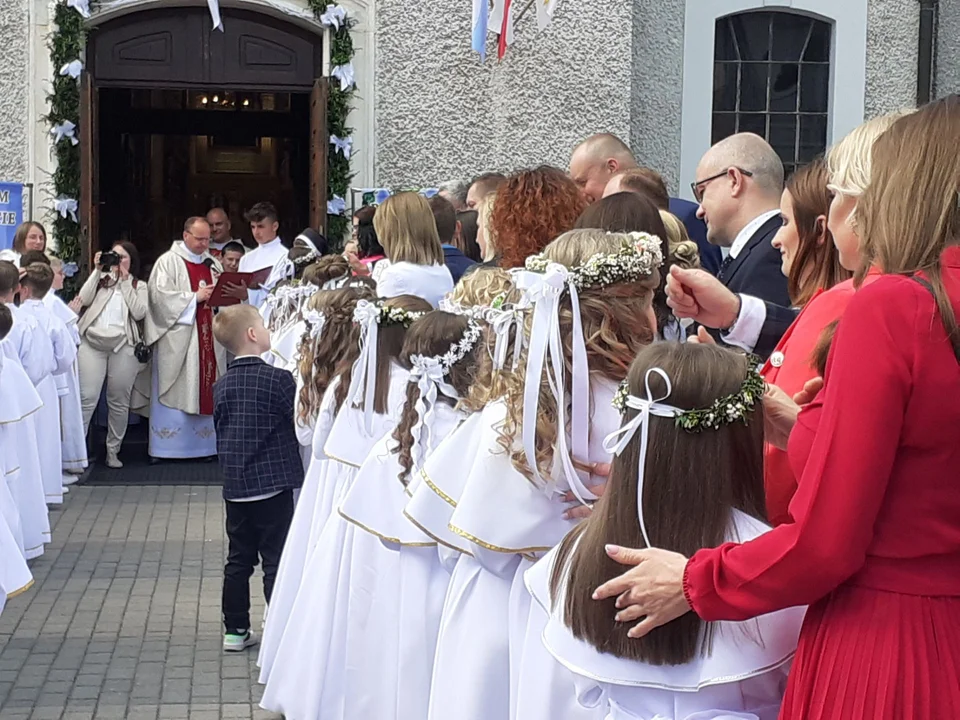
pixel 108 260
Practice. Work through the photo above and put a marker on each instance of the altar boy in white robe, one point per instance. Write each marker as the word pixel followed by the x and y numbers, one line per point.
pixel 186 358
pixel 27 347
pixel 73 443
pixel 269 251
pixel 35 283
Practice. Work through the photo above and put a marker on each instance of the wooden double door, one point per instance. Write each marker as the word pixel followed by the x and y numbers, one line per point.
pixel 174 52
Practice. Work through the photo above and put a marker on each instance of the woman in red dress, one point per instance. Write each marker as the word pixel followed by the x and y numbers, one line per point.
pixel 874 546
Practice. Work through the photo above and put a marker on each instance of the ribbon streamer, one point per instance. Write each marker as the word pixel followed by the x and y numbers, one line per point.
pixel 428 373
pixel 316 320
pixel 617 441
pixel 364 380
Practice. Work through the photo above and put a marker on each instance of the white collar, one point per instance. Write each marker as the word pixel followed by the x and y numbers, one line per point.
pixel 743 237
pixel 180 248
pixel 272 244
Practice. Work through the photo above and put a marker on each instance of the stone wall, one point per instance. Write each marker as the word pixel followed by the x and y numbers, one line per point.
pixel 948 48
pixel 15 98
pixel 893 29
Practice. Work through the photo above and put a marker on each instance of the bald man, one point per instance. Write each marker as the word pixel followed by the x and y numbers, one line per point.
pixel 220 227
pixel 596 160
pixel 739 183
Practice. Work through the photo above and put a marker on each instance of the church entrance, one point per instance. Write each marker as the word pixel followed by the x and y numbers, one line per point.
pixel 180 118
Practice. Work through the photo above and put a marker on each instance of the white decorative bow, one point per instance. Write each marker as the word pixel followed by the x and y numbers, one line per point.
pixel 344 73
pixel 337 282
pixel 502 320
pixel 70 269
pixel 428 374
pixel 66 129
pixel 72 68
pixel 334 15
pixel 344 145
pixel 617 441
pixel 544 291
pixel 364 380
pixel 66 206
pixel 336 206
pixel 315 319
pixel 81 6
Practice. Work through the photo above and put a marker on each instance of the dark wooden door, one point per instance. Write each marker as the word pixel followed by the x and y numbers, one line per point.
pixel 177 48
pixel 319 147
pixel 89 200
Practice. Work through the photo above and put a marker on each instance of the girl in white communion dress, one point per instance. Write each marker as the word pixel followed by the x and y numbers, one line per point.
pixel 688 474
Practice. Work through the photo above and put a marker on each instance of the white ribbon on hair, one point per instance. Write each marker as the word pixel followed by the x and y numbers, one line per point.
pixel 66 206
pixel 315 319
pixel 428 374
pixel 364 380
pixel 544 290
pixel 617 441
pixel 502 320
pixel 337 282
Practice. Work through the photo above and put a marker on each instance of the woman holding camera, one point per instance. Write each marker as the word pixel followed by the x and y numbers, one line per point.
pixel 109 332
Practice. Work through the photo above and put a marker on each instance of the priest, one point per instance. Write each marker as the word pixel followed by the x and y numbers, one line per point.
pixel 186 358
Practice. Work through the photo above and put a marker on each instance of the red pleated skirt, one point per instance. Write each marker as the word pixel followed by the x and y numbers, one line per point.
pixel 871 655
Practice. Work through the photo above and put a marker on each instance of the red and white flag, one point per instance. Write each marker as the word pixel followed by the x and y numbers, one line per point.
pixel 501 22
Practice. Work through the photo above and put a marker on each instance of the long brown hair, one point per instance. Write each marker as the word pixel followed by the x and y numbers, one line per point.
pixel 909 212
pixel 817 263
pixel 532 208
pixel 431 336
pixel 20 235
pixel 615 329
pixel 390 338
pixel 693 482
pixel 329 267
pixel 407 231
pixel 334 351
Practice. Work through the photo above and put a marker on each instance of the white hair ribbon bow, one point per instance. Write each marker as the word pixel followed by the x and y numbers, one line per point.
pixel 363 383
pixel 315 319
pixel 337 282
pixel 617 441
pixel 545 341
pixel 428 373
pixel 66 206
pixel 502 320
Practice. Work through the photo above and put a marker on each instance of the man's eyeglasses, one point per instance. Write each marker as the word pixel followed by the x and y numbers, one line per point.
pixel 698 185
pixel 198 237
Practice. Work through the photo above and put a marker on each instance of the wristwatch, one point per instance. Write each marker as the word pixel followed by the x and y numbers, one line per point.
pixel 736 317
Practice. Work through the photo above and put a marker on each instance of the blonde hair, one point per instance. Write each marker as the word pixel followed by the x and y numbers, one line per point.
pixel 849 161
pixel 230 324
pixel 910 210
pixel 483 285
pixel 683 250
pixel 615 329
pixel 484 213
pixel 407 231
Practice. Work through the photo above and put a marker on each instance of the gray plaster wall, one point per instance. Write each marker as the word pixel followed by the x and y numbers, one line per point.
pixel 656 91
pixel 14 65
pixel 441 113
pixel 948 48
pixel 893 28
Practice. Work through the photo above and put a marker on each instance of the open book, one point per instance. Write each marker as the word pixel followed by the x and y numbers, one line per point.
pixel 250 279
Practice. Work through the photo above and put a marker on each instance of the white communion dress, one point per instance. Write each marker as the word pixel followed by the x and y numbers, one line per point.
pixel 313 508
pixel 508 521
pixel 397 587
pixel 303 682
pixel 73 444
pixel 742 678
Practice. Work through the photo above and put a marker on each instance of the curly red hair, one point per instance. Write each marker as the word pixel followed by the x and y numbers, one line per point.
pixel 533 207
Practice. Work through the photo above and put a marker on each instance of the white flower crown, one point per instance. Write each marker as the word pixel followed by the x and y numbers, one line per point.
pixel 639 255
pixel 385 314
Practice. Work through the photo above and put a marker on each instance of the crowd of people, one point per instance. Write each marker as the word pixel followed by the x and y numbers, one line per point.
pixel 554 444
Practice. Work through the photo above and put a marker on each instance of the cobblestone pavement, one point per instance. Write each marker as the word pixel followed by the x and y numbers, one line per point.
pixel 123 620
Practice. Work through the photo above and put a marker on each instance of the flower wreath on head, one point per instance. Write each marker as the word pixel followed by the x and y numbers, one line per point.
pixel 370 316
pixel 639 255
pixel 543 283
pixel 726 410
pixel 501 316
pixel 428 372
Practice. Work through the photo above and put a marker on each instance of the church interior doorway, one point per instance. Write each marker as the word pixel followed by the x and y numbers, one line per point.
pixel 177 118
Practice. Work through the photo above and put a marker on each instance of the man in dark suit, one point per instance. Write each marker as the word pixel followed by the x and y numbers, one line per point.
pixel 603 165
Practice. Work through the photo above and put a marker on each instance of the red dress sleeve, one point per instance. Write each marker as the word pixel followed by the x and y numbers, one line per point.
pixel 867 388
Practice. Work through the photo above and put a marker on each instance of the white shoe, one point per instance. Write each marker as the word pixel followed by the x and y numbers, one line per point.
pixel 69 479
pixel 113 461
pixel 237 643
pixel 65 489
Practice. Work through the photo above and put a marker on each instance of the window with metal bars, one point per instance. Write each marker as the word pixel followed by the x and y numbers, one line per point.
pixel 772 78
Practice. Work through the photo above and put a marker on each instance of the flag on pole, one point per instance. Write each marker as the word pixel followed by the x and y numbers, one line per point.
pixel 506 26
pixel 481 17
pixel 545 10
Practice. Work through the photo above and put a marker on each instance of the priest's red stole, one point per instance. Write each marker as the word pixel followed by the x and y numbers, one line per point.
pixel 200 273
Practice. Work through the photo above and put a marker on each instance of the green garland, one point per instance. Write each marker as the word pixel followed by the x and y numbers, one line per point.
pixel 67 43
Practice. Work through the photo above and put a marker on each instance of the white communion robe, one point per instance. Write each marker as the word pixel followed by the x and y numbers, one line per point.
pixel 15 576
pixel 30 351
pixel 743 676
pixel 397 587
pixel 48 419
pixel 507 520
pixel 263 256
pixel 304 683
pixel 73 444
pixel 177 430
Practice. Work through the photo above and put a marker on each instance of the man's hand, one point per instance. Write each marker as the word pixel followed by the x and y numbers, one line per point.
pixel 204 293
pixel 235 291
pixel 699 296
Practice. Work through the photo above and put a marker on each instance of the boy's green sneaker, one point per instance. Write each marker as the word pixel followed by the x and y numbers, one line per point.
pixel 235 642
